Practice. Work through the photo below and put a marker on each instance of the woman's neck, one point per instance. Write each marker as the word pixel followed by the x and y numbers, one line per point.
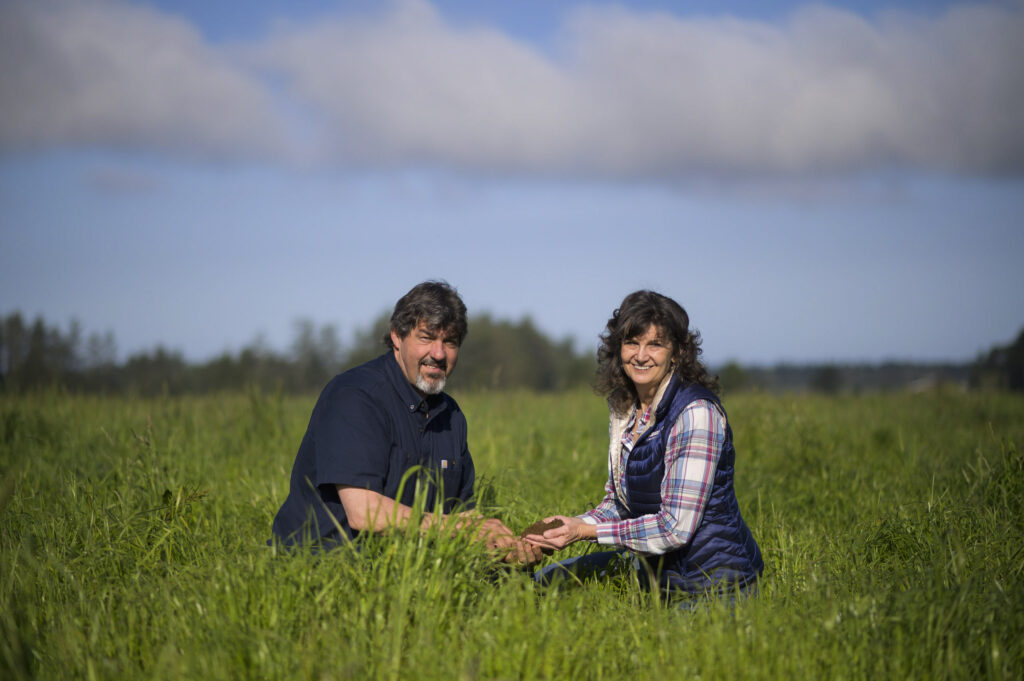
pixel 646 399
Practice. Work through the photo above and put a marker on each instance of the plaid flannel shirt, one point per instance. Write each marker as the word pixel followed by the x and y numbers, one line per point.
pixel 691 457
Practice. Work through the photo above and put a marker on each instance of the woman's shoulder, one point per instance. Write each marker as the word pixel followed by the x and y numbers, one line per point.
pixel 701 414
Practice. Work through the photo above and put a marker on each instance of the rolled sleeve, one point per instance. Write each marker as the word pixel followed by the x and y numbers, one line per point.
pixel 350 440
pixel 606 511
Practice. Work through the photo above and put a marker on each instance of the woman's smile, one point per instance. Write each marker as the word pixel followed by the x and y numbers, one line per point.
pixel 646 359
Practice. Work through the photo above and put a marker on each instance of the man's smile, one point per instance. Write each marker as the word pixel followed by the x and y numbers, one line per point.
pixel 432 365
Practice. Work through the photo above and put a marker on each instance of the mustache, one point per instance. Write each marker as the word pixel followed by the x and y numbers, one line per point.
pixel 443 365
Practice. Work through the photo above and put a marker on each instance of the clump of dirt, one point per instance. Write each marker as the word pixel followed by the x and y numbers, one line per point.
pixel 540 526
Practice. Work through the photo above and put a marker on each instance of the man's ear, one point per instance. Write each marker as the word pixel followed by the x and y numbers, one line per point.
pixel 395 339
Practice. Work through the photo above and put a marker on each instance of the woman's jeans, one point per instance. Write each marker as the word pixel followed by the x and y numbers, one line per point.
pixel 676 590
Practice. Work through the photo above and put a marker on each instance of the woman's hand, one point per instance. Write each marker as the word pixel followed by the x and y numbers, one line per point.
pixel 499 539
pixel 571 530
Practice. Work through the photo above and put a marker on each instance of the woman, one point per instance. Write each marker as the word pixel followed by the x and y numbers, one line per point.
pixel 669 502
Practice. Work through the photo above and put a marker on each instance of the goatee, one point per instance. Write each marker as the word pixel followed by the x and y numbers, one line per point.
pixel 430 387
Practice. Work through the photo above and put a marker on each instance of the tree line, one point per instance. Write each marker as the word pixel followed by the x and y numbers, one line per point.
pixel 497 354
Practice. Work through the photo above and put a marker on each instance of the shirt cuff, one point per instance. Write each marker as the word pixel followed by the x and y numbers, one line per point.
pixel 606 534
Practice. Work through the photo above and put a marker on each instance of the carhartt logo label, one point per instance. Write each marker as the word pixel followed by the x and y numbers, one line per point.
pixel 444 464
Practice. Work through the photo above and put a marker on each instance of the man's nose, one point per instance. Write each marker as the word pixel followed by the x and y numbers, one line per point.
pixel 437 350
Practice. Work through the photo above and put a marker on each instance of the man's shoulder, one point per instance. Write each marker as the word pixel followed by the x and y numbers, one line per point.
pixel 453 406
pixel 454 414
pixel 371 373
pixel 369 378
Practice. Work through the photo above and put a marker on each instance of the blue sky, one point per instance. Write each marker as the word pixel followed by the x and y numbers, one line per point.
pixel 813 182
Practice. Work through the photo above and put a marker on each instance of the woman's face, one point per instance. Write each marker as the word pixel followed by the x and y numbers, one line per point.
pixel 646 359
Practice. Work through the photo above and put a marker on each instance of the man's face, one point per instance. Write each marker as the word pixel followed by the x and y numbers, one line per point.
pixel 427 358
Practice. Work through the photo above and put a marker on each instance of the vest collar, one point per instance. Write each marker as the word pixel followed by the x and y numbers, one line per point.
pixel 619 423
pixel 656 404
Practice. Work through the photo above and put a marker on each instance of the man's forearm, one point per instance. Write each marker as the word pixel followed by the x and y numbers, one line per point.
pixel 374 512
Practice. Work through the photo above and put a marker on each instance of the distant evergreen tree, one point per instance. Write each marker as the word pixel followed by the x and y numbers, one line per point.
pixel 37 355
pixel 161 371
pixel 733 378
pixel 1002 367
pixel 369 341
pixel 827 379
pixel 501 354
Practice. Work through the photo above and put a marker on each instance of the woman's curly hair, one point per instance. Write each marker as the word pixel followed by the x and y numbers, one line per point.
pixel 638 311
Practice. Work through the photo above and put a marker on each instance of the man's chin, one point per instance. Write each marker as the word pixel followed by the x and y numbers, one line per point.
pixel 429 386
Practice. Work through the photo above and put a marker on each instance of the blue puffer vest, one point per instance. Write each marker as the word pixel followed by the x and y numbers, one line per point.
pixel 722 553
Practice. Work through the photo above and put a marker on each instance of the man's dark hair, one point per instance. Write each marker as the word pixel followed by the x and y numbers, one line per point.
pixel 638 311
pixel 434 303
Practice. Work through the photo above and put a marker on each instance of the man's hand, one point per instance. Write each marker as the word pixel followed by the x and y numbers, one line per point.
pixel 375 512
pixel 507 545
pixel 570 531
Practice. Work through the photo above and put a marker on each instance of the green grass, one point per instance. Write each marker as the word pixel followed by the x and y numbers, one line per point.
pixel 132 546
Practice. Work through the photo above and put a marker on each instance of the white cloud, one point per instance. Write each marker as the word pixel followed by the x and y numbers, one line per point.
pixel 107 74
pixel 626 94
pixel 652 94
pixel 408 87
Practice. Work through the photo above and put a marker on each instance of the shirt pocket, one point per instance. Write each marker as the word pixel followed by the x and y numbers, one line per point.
pixel 450 476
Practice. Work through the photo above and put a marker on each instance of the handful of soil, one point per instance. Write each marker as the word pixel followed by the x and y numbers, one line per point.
pixel 540 526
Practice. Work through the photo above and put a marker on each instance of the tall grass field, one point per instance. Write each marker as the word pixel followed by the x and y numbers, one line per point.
pixel 133 546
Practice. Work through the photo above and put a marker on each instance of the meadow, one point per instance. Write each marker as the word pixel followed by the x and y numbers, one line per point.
pixel 133 546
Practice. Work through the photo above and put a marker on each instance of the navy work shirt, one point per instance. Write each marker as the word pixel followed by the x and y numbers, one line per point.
pixel 368 428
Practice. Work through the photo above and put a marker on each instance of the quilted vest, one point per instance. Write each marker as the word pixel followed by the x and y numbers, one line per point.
pixel 722 553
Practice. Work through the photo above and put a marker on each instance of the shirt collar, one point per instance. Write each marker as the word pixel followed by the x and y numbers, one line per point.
pixel 661 392
pixel 411 398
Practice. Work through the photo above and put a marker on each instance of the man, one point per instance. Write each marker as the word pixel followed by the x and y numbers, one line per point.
pixel 375 422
